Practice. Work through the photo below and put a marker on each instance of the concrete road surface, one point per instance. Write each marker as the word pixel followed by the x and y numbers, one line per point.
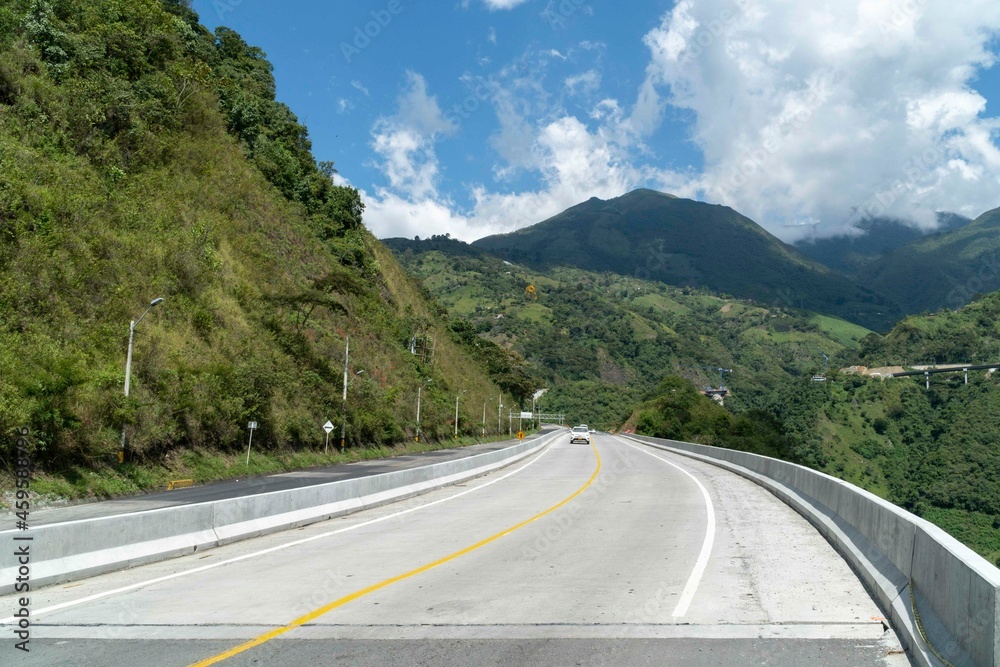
pixel 611 554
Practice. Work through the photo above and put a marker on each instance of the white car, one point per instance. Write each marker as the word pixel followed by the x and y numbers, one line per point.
pixel 580 434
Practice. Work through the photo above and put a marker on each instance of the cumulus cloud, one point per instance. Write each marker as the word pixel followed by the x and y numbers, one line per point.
pixel 831 111
pixel 808 116
pixel 405 142
pixel 568 160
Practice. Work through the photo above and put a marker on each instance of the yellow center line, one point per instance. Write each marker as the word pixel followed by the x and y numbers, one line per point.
pixel 316 613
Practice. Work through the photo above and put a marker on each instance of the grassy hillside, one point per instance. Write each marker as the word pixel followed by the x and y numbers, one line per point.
pixel 602 342
pixel 144 157
pixel 944 270
pixel 681 242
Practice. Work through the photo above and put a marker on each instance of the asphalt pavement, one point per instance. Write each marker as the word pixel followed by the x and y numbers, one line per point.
pixel 611 554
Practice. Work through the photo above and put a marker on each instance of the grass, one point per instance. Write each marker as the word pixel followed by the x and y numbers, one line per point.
pixel 844 332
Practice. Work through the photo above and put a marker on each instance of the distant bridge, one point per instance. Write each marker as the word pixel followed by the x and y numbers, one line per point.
pixel 926 371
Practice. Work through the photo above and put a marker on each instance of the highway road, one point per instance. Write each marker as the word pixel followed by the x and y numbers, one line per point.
pixel 610 554
pixel 254 485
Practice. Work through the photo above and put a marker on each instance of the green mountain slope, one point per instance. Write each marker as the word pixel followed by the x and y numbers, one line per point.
pixel 881 236
pixel 141 157
pixel 933 451
pixel 601 341
pixel 681 242
pixel 944 270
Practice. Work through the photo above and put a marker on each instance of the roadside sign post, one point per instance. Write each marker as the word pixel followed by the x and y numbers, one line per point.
pixel 251 426
pixel 524 415
pixel 328 426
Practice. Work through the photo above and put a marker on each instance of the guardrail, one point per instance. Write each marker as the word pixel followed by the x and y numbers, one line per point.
pixel 74 549
pixel 943 598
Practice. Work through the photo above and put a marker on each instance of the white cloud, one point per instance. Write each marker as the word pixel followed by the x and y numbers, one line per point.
pixel 359 86
pixel 804 113
pixel 494 5
pixel 815 110
pixel 586 82
pixel 568 160
pixel 405 141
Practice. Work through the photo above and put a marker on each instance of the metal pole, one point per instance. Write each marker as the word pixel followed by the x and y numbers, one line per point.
pixel 248 447
pixel 484 419
pixel 499 405
pixel 456 412
pixel 326 448
pixel 128 367
pixel 128 378
pixel 343 423
pixel 419 389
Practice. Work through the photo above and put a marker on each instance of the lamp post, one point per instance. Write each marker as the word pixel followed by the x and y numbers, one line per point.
pixel 419 389
pixel 343 423
pixel 484 416
pixel 456 411
pixel 128 365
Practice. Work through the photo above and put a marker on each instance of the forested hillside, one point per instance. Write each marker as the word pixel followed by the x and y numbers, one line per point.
pixel 602 342
pixel 686 243
pixel 934 452
pixel 943 270
pixel 142 157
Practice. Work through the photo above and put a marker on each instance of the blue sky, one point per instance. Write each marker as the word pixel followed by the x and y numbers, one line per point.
pixel 482 116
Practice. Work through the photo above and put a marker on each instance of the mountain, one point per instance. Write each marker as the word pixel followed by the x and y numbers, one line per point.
pixel 942 270
pixel 881 236
pixel 680 242
pixel 143 156
pixel 601 341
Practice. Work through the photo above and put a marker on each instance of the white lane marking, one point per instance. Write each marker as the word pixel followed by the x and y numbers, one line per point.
pixel 706 548
pixel 280 547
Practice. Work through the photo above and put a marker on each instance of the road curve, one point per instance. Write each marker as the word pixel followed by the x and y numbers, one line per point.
pixel 614 554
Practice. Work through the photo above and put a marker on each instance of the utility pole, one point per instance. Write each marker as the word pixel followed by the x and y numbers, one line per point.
pixel 499 405
pixel 456 411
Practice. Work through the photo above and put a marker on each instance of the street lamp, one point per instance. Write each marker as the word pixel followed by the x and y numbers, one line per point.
pixel 343 424
pixel 419 389
pixel 484 417
pixel 128 366
pixel 456 411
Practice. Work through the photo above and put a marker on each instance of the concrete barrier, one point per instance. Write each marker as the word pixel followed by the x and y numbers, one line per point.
pixel 63 552
pixel 943 598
